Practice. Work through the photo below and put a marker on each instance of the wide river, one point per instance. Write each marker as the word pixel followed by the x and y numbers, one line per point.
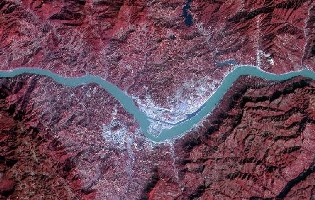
pixel 142 118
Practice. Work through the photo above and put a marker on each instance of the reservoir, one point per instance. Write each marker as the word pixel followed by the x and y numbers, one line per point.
pixel 143 120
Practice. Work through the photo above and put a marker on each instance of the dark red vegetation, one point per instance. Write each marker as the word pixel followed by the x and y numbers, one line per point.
pixel 30 166
pixel 58 142
pixel 258 144
pixel 147 48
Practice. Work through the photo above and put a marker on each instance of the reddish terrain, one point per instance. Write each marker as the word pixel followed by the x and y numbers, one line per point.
pixel 146 48
pixel 259 143
pixel 58 142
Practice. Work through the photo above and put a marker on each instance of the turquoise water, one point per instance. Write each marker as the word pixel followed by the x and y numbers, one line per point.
pixel 141 117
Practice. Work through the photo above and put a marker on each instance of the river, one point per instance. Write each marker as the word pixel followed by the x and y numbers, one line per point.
pixel 143 120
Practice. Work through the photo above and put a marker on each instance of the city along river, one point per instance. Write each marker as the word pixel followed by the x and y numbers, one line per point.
pixel 143 120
